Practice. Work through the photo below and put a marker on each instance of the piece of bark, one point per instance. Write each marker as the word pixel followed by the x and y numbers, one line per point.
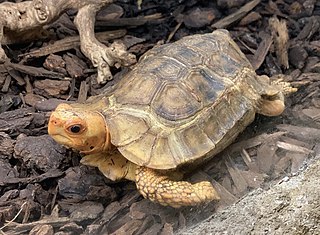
pixel 33 99
pixel 13 122
pixel 297 160
pixel 156 18
pixel 49 104
pixel 86 211
pixel 41 152
pixel 230 4
pixel 128 228
pixel 251 17
pixel 7 171
pixel 281 38
pixel 51 88
pixel 74 66
pixel 303 133
pixel 238 180
pixel 313 113
pixel 225 22
pixel 293 147
pixel 298 56
pixel 55 63
pixel 34 71
pixel 83 92
pixel 83 183
pixel 7 82
pixel 311 27
pixel 199 17
pixel 6 144
pixel 33 179
pixel 261 52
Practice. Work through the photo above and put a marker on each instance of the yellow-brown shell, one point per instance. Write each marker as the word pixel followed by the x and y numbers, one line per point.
pixel 182 102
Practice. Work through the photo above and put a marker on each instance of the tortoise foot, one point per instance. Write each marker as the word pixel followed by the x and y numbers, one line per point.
pixel 160 189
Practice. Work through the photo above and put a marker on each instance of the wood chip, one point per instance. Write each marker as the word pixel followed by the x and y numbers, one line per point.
pixel 297 160
pixel 226 196
pixel 301 132
pixel 261 52
pixel 225 22
pixel 251 17
pixel 238 180
pixel 313 113
pixel 266 155
pixel 51 88
pixel 35 71
pixel 281 38
pixel 293 148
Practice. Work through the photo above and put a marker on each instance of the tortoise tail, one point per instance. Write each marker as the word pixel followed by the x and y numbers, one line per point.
pixel 159 188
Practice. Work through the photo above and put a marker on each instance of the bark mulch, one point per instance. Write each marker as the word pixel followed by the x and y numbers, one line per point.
pixel 43 187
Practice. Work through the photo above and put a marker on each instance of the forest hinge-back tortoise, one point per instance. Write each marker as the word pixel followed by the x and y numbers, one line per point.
pixel 181 104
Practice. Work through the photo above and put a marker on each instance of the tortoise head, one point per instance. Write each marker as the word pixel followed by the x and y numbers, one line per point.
pixel 79 128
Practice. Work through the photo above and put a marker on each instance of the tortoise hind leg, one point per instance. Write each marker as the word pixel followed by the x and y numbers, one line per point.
pixel 272 102
pixel 161 189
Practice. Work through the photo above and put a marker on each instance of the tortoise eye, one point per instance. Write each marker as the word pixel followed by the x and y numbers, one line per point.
pixel 75 129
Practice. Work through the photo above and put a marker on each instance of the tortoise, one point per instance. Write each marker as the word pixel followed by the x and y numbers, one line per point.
pixel 181 104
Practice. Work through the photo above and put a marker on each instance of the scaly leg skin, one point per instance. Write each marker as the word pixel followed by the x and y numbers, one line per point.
pixel 101 56
pixel 159 188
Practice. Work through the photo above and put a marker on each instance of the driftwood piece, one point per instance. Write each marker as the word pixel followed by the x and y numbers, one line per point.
pixel 25 20
pixel 71 42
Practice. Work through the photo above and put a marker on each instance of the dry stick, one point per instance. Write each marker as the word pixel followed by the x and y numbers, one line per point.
pixel 14 218
pixel 235 16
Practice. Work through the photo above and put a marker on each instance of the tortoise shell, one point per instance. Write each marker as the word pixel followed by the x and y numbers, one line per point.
pixel 182 102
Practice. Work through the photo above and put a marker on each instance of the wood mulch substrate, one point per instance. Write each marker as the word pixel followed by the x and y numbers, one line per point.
pixel 44 189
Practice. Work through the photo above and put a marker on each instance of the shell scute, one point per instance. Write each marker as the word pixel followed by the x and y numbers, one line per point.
pixel 187 55
pixel 126 128
pixel 197 142
pixel 140 89
pixel 164 67
pixel 208 87
pixel 174 102
pixel 140 150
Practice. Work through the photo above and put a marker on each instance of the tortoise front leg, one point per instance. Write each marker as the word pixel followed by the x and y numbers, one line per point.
pixel 112 165
pixel 161 189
